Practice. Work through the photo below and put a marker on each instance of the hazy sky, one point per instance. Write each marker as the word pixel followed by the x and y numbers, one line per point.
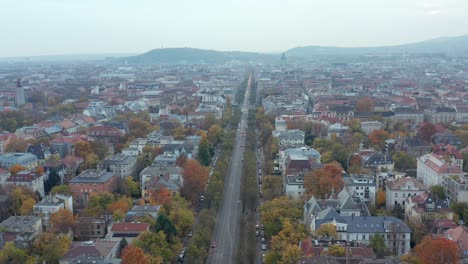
pixel 44 27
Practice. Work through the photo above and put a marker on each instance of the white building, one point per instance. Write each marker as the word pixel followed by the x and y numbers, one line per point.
pixel 360 229
pixel 50 205
pixel 362 186
pixel 370 126
pixel 399 190
pixel 28 179
pixel 121 165
pixel 290 138
pixel 294 187
pixel 432 169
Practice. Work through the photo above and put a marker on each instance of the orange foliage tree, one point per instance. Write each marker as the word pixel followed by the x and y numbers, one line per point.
pixel 426 131
pixel 381 197
pixel 321 182
pixel 40 170
pixel 378 137
pixel 161 196
pixel 62 221
pixel 195 177
pixel 16 168
pixel 437 251
pixel 131 255
pixel 365 104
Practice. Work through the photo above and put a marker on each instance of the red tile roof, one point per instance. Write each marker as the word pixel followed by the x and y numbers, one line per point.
pixel 130 227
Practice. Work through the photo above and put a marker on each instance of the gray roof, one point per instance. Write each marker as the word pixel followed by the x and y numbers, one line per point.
pixel 158 170
pixel 20 223
pixel 119 159
pixel 363 224
pixel 93 176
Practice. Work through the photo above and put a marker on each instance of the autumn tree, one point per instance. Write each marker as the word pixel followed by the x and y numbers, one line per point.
pixel 365 104
pixel 378 137
pixel 51 247
pixel 16 168
pixel 17 196
pixel 98 203
pixel 426 131
pixel 16 144
pixel 156 244
pixel 321 182
pixel 336 251
pixel 84 150
pixel 195 178
pixel 181 215
pixel 215 133
pixel 160 196
pixel 326 231
pixel 437 251
pixel 39 170
pixel 380 198
pixel 179 133
pixel 12 255
pixel 132 186
pixel 120 207
pixel 27 206
pixel 290 234
pixel 131 255
pixel 274 211
pixel 62 221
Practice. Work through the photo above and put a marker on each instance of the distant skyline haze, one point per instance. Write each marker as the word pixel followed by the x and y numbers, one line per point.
pixel 55 27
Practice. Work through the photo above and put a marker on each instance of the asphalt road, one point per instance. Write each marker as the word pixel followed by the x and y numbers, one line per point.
pixel 227 231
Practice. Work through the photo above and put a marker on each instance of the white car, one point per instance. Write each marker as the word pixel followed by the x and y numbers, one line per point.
pixel 263 247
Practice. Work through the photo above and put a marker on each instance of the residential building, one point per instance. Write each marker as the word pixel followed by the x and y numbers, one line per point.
pixel 28 179
pixel 432 169
pixel 361 229
pixel 25 227
pixel 121 165
pixel 414 146
pixel 342 203
pixel 27 160
pixel 64 145
pixel 290 138
pixel 362 186
pixel 447 139
pixel 338 130
pixel 87 228
pixel 50 205
pixel 459 235
pixel 440 114
pixel 129 231
pixel 369 126
pixel 103 249
pixel 425 207
pixel 404 114
pixel 155 177
pixel 398 191
pixel 379 162
pixel 141 211
pixel 456 188
pixel 294 186
pixel 90 181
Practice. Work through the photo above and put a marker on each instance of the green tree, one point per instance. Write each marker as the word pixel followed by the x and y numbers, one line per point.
pixel 438 191
pixel 54 179
pixel 377 243
pixel 204 155
pixel 164 224
pixel 51 247
pixel 61 189
pixel 403 161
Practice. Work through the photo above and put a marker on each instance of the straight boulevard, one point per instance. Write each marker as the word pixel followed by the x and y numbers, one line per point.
pixel 226 232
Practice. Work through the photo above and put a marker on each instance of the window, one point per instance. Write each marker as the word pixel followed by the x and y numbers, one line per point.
pixel 396 195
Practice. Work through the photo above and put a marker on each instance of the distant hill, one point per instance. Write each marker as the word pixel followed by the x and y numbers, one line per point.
pixel 191 55
pixel 457 46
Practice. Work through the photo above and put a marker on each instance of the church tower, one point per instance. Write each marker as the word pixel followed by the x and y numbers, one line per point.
pixel 19 93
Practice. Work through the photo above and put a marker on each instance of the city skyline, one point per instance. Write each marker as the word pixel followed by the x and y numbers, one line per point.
pixel 54 27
